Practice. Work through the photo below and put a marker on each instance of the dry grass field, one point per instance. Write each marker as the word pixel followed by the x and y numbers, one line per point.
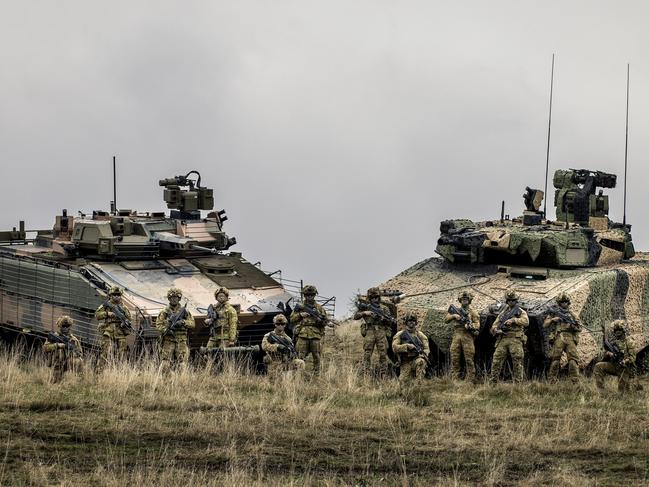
pixel 132 426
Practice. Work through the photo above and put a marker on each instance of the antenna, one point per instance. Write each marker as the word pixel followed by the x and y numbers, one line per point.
pixel 626 141
pixel 114 205
pixel 547 154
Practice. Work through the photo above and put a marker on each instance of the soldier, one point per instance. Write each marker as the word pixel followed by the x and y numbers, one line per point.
pixel 173 323
pixel 619 360
pixel 112 330
pixel 281 355
pixel 63 350
pixel 509 330
pixel 466 325
pixel 309 321
pixel 411 345
pixel 222 320
pixel 565 336
pixel 376 330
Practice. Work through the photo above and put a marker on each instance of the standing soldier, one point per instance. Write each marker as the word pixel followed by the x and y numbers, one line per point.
pixel 281 355
pixel 565 335
pixel 466 325
pixel 173 323
pixel 309 320
pixel 63 349
pixel 619 358
pixel 376 330
pixel 112 329
pixel 509 330
pixel 222 320
pixel 411 345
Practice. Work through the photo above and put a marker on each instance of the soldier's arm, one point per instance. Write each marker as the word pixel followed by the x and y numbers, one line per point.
pixel 127 313
pixel 49 347
pixel 577 320
pixel 161 321
pixel 189 321
pixel 474 316
pixel 397 346
pixel 522 321
pixel 448 318
pixel 266 346
pixel 77 345
pixel 630 351
pixel 424 341
pixel 296 317
pixel 101 313
pixel 232 321
pixel 548 321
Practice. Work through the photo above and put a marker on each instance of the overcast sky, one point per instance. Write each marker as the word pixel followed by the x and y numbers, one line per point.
pixel 336 134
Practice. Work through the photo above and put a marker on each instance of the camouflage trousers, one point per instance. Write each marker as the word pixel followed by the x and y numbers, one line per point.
pixel 113 349
pixel 173 351
pixel 625 375
pixel 62 364
pixel 462 342
pixel 565 342
pixel 514 347
pixel 411 368
pixel 306 346
pixel 375 337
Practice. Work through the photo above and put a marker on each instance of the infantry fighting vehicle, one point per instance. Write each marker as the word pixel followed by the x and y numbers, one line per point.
pixel 69 269
pixel 583 253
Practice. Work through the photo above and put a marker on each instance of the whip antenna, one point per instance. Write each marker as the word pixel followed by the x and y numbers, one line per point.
pixel 547 154
pixel 626 141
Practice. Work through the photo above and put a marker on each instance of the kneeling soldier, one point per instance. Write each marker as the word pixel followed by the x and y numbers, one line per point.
pixel 466 325
pixel 63 349
pixel 619 359
pixel 411 345
pixel 509 330
pixel 173 323
pixel 222 320
pixel 566 337
pixel 280 352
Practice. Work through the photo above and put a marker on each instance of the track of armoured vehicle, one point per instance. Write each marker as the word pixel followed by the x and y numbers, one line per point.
pixel 70 269
pixel 583 254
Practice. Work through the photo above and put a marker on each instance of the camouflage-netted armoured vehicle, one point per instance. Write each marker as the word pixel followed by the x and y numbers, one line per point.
pixel 70 269
pixel 583 254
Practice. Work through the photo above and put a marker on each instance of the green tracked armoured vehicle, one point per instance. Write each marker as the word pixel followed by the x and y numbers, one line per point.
pixel 583 254
pixel 70 269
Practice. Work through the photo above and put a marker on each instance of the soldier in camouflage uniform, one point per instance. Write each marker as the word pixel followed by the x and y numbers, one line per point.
pixel 279 357
pixel 113 335
pixel 565 336
pixel 463 335
pixel 376 331
pixel 223 330
pixel 411 346
pixel 624 366
pixel 62 357
pixel 173 344
pixel 510 337
pixel 309 329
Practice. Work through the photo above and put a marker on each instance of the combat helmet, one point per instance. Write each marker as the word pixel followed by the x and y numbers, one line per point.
pixel 309 289
pixel 563 298
pixel 465 294
pixel 618 327
pixel 222 290
pixel 174 291
pixel 373 292
pixel 511 296
pixel 280 319
pixel 115 291
pixel 64 321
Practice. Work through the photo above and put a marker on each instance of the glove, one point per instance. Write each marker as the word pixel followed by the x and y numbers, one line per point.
pixel 60 345
pixel 411 347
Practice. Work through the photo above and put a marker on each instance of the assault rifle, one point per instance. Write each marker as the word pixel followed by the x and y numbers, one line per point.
pixel 174 321
pixel 69 344
pixel 618 355
pixel 565 317
pixel 213 316
pixel 377 311
pixel 314 313
pixel 124 323
pixel 465 319
pixel 409 339
pixel 507 315
pixel 287 344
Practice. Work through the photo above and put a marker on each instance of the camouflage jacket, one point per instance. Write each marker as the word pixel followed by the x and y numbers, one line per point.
pixel 561 326
pixel 109 325
pixel 402 348
pixel 162 322
pixel 474 317
pixel 225 327
pixel 308 326
pixel 375 320
pixel 518 326
pixel 271 348
pixel 59 355
pixel 624 345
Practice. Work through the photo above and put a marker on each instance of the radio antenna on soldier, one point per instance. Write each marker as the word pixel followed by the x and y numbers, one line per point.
pixel 547 154
pixel 626 141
